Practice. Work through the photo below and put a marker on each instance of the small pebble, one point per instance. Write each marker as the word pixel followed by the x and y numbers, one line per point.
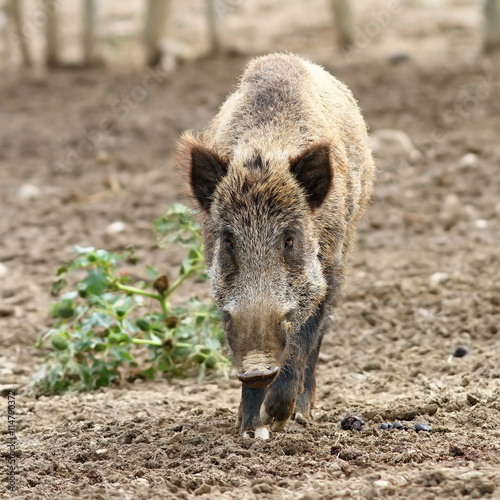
pixel 352 422
pixel 385 426
pixel 456 450
pixel 141 481
pixel 473 399
pixel 28 192
pixel 438 278
pixel 399 58
pixel 468 160
pixel 422 427
pixel 481 223
pixel 115 227
pixel 397 425
pixel 103 157
pixel 460 351
pixel 6 389
pixel 6 311
pixel 202 490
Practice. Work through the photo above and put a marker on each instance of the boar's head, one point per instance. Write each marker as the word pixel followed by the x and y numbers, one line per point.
pixel 262 249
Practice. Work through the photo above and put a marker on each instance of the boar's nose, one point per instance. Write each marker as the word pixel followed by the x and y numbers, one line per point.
pixel 258 378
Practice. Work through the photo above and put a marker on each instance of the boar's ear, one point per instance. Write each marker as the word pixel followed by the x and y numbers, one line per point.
pixel 207 169
pixel 313 171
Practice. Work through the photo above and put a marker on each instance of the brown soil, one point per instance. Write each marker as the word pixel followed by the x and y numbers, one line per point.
pixel 388 356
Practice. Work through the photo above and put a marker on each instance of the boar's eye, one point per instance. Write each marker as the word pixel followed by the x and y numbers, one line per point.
pixel 288 243
pixel 229 245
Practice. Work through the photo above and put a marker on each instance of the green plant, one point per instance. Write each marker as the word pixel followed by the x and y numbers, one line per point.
pixel 104 331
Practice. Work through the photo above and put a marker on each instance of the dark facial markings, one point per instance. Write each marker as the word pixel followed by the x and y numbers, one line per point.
pixel 227 257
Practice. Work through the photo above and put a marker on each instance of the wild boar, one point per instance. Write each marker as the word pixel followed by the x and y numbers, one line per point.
pixel 281 177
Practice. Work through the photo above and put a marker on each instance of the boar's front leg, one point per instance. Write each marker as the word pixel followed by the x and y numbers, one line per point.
pixel 282 395
pixel 249 412
pixel 307 398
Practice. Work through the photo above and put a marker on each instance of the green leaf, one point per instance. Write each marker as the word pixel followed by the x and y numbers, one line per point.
pixel 211 362
pixel 149 373
pixel 57 286
pixel 92 257
pixel 63 269
pixel 142 324
pixel 152 272
pixel 60 341
pixel 63 309
pixel 199 358
pixel 96 282
pixel 120 312
pixel 129 255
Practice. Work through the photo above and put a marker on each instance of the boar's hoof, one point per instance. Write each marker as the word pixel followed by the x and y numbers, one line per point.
pixel 276 425
pixel 301 419
pixel 259 433
pixel 258 378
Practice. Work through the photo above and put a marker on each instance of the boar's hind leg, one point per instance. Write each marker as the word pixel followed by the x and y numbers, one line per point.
pixel 282 394
pixel 249 412
pixel 307 398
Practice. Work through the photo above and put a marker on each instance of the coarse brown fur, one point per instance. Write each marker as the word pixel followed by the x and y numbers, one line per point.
pixel 282 175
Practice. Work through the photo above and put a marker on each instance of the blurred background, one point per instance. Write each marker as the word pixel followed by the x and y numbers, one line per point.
pixel 94 95
pixel 124 35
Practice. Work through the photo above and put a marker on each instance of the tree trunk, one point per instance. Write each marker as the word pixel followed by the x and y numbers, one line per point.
pixel 214 26
pixel 157 19
pixel 52 55
pixel 16 9
pixel 491 25
pixel 90 57
pixel 344 22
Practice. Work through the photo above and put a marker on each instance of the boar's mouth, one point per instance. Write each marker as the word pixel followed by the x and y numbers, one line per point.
pixel 258 378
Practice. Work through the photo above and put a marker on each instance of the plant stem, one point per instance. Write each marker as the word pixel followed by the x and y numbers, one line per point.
pixel 164 305
pixel 138 291
pixel 180 280
pixel 147 341
pixel 162 299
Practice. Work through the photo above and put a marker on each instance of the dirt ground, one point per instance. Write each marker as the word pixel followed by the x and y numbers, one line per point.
pixel 424 278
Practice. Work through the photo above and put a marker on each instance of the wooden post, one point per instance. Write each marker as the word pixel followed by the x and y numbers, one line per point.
pixel 491 25
pixel 157 19
pixel 344 22
pixel 16 10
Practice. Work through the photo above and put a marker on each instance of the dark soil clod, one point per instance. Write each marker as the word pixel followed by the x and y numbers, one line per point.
pixel 352 422
pixel 460 351
pixel 422 427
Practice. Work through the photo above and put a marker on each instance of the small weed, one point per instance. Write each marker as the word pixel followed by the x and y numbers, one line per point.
pixel 104 331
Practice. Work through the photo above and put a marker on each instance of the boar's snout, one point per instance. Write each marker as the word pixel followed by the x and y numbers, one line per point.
pixel 258 340
pixel 258 377
pixel 257 368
